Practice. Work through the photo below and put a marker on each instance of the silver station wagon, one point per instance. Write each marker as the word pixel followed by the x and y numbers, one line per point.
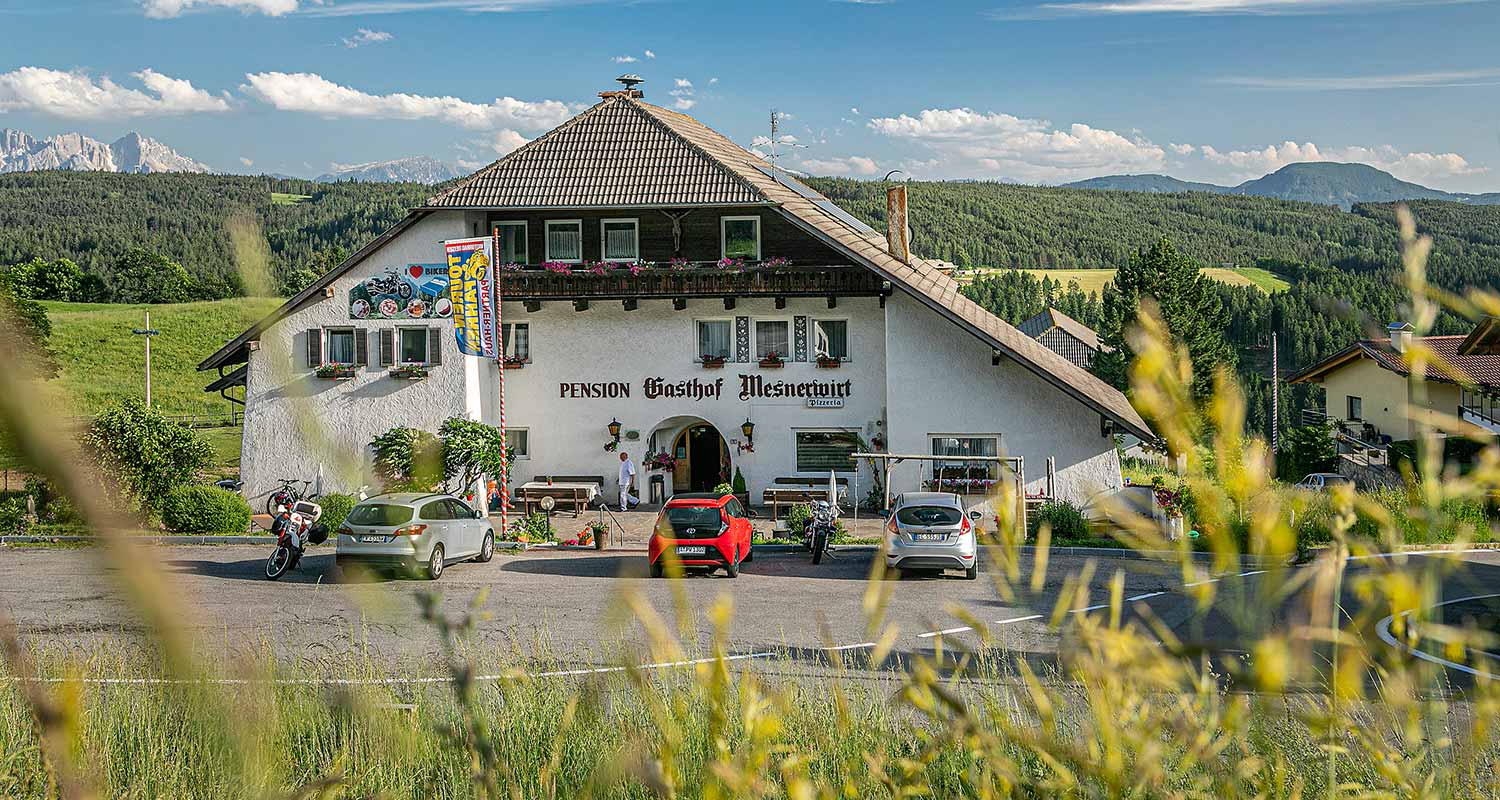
pixel 415 532
pixel 930 531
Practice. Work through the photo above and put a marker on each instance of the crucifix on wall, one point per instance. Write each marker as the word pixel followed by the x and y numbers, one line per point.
pixel 676 231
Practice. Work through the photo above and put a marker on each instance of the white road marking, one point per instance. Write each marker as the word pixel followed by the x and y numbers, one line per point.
pixel 1145 596
pixel 1383 630
pixel 1089 608
pixel 1251 572
pixel 1200 583
pixel 944 632
pixel 1018 619
pixel 842 647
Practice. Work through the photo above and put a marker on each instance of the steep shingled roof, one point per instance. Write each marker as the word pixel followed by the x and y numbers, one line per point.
pixel 574 166
pixel 1481 370
pixel 1052 318
pixel 614 154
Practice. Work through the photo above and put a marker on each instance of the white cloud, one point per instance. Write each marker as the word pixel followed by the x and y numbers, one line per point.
pixel 366 36
pixel 713 81
pixel 1181 149
pixel 247 162
pixel 165 9
pixel 1419 167
pixel 314 94
pixel 1346 83
pixel 683 97
pixel 683 83
pixel 624 59
pixel 1208 7
pixel 75 95
pixel 765 141
pixel 975 144
pixel 650 54
pixel 504 141
pixel 855 165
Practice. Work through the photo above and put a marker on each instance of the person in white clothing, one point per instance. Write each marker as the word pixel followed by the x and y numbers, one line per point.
pixel 627 482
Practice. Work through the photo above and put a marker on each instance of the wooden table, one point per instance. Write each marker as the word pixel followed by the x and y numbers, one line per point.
pixel 576 495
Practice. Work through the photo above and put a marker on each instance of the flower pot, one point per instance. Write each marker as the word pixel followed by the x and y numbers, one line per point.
pixel 513 365
pixel 768 364
pixel 713 364
pixel 829 364
pixel 601 540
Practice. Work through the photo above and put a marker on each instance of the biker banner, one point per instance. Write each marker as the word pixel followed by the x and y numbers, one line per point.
pixel 471 290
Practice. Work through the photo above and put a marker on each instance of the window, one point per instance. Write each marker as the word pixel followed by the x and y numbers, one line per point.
pixel 929 515
pixel 988 446
pixel 565 240
pixel 741 237
pixel 1356 408
pixel 515 338
pixel 714 338
pixel 413 347
pixel 436 510
pixel 341 346
pixel 512 242
pixel 379 515
pixel 734 509
pixel 821 451
pixel 621 239
pixel 458 509
pixel 771 336
pixel 518 441
pixel 832 338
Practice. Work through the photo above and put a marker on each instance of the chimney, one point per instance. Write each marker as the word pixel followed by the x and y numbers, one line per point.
pixel 1400 333
pixel 629 80
pixel 897 231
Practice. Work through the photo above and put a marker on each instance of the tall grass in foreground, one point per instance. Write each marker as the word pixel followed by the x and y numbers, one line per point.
pixel 1272 690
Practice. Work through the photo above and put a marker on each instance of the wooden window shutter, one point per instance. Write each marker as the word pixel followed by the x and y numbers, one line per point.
pixel 315 347
pixel 434 345
pixel 361 347
pixel 387 347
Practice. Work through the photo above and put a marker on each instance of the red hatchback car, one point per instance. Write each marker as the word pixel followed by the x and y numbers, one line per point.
pixel 702 530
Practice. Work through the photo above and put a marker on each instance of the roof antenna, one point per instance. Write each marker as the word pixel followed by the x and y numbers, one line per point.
pixel 775 140
pixel 630 80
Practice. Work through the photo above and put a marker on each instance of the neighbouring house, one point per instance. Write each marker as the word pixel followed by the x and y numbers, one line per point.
pixel 1065 336
pixel 1368 391
pixel 661 282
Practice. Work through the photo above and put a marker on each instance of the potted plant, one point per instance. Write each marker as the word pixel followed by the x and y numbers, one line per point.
pixel 409 372
pixel 773 360
pixel 335 372
pixel 663 460
pixel 712 362
pixel 598 531
pixel 829 362
pixel 741 489
pixel 512 362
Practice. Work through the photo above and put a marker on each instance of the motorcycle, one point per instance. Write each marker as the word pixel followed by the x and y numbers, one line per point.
pixel 295 528
pixel 820 529
pixel 388 284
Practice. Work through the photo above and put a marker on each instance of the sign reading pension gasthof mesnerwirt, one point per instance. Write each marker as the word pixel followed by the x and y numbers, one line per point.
pixel 752 387
pixel 471 292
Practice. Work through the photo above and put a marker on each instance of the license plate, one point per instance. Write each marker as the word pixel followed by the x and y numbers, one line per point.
pixel 928 537
pixel 372 539
pixel 692 551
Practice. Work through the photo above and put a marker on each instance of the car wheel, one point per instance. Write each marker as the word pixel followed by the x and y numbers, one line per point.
pixel 657 571
pixel 435 563
pixel 732 569
pixel 486 550
pixel 972 573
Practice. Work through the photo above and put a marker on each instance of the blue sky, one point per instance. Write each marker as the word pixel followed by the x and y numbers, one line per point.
pixel 1040 91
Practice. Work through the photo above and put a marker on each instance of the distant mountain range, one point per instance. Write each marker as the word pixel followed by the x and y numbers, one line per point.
pixel 22 152
pixel 1324 182
pixel 415 169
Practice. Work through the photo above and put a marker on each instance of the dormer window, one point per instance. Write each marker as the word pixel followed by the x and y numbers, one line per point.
pixel 565 240
pixel 741 237
pixel 621 239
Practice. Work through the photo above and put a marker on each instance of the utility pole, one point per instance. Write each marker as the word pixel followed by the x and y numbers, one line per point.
pixel 1275 400
pixel 147 332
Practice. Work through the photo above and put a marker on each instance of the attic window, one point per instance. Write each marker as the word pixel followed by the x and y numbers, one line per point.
pixel 741 237
pixel 565 240
pixel 621 239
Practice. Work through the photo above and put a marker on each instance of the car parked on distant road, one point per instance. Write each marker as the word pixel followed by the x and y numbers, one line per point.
pixel 701 530
pixel 415 532
pixel 930 531
pixel 1319 481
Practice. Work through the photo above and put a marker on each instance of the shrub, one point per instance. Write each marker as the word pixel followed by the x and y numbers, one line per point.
pixel 740 487
pixel 407 458
pixel 205 509
pixel 14 517
pixel 534 527
pixel 1066 520
pixel 724 488
pixel 335 508
pixel 144 453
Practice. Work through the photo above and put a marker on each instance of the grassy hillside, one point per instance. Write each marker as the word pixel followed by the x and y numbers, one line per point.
pixel 101 360
pixel 1092 281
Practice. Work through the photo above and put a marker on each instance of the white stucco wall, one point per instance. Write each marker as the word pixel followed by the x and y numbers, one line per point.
pixel 297 424
pixel 945 384
pixel 608 344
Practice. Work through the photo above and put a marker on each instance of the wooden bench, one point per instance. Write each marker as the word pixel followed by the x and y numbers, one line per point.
pixel 800 491
pixel 571 490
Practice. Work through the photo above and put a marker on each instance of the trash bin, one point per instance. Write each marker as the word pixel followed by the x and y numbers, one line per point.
pixel 658 489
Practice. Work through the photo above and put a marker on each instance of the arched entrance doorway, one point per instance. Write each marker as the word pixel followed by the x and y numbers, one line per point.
pixel 702 459
pixel 701 452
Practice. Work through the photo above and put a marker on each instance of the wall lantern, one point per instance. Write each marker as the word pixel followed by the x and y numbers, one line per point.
pixel 614 428
pixel 749 430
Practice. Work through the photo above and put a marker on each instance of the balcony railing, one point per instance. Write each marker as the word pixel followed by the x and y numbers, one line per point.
pixel 621 283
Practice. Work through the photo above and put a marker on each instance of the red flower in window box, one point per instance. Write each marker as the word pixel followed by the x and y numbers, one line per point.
pixel 773 360
pixel 829 362
pixel 335 372
pixel 712 362
pixel 512 362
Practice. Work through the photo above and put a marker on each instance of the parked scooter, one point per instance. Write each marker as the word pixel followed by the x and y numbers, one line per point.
pixel 295 528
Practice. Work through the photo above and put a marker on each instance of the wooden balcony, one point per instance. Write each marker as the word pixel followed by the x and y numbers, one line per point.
pixel 669 284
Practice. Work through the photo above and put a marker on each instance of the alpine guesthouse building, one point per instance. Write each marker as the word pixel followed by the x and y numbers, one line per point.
pixel 659 280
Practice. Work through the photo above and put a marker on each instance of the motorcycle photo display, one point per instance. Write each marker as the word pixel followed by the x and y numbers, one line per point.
pixel 295 528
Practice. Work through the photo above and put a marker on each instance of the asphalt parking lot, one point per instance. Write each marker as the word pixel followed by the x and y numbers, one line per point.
pixel 567 607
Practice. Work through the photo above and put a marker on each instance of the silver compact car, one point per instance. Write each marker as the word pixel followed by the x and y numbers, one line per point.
pixel 929 530
pixel 416 532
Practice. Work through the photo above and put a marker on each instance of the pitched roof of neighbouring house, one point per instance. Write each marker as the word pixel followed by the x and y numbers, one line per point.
pixel 614 154
pixel 1052 318
pixel 1450 364
pixel 716 172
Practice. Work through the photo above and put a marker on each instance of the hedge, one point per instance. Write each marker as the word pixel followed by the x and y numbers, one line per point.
pixel 205 509
pixel 335 508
